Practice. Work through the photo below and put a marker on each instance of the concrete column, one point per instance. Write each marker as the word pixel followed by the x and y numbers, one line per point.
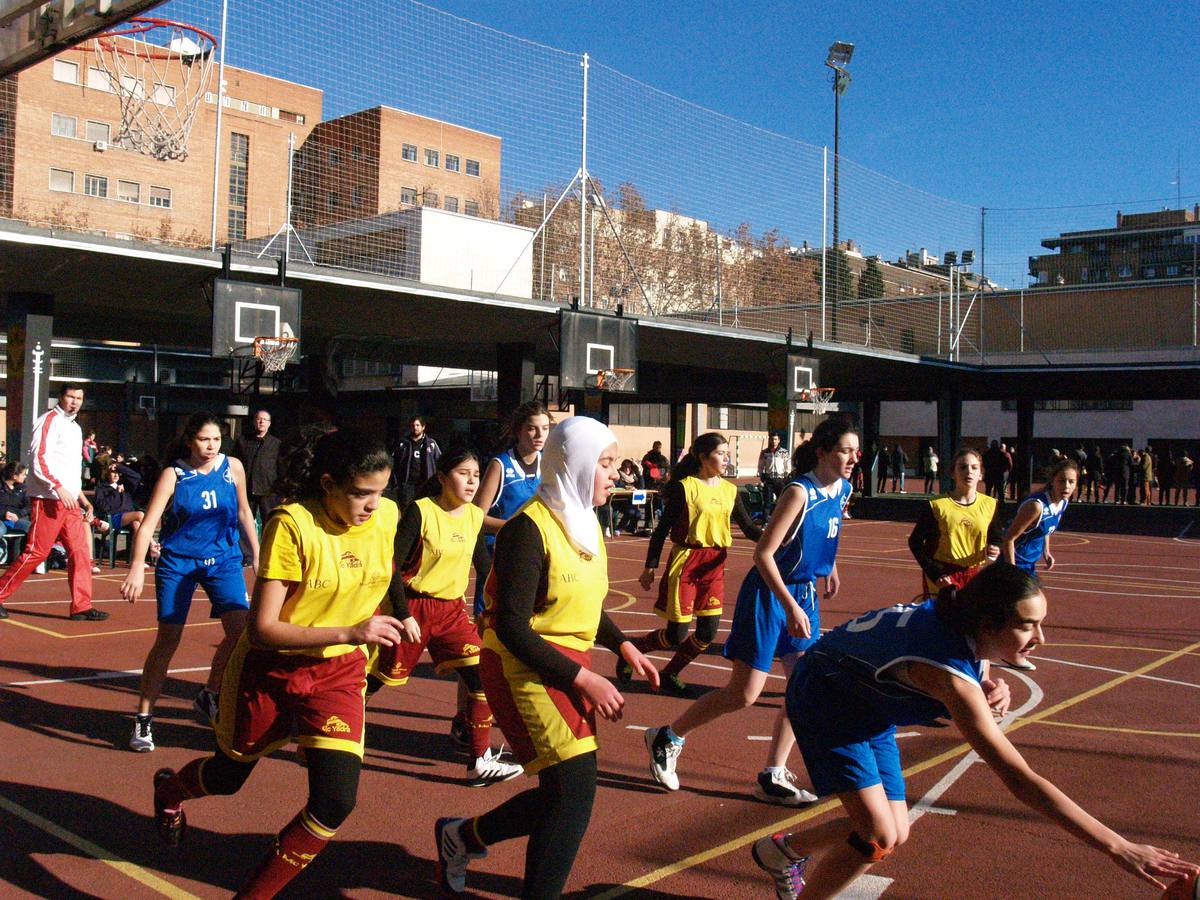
pixel 515 377
pixel 1023 457
pixel 29 323
pixel 949 415
pixel 679 431
pixel 870 445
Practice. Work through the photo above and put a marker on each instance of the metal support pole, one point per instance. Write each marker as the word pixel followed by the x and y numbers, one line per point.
pixel 217 138
pixel 982 279
pixel 1194 298
pixel 837 265
pixel 542 269
pixel 583 178
pixel 720 310
pixel 1022 320
pixel 824 230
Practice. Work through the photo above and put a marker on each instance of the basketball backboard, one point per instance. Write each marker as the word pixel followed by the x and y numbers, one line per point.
pixel 803 374
pixel 33 30
pixel 243 311
pixel 591 341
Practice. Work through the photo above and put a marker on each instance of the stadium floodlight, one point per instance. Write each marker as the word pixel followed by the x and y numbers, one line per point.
pixel 838 58
pixel 968 257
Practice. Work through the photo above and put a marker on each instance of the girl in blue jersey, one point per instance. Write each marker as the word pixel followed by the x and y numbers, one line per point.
pixel 1027 538
pixel 906 665
pixel 776 613
pixel 201 501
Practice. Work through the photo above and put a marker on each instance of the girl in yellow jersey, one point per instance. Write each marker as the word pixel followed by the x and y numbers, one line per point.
pixel 300 666
pixel 543 612
pixel 438 540
pixel 958 532
pixel 700 506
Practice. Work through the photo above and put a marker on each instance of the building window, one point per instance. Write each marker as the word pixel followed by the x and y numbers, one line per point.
pixel 647 415
pixel 1172 271
pixel 97 79
pixel 450 204
pixel 163 94
pixel 1125 271
pixel 62 180
pixel 408 196
pixel 286 115
pixel 473 167
pixel 95 185
pixel 737 418
pixel 66 72
pixel 908 342
pixel 451 163
pixel 431 157
pixel 429 198
pixel 1149 272
pixel 63 126
pixel 409 152
pixel 471 207
pixel 335 156
pixel 129 191
pixel 356 194
pixel 97 131
pixel 160 197
pixel 332 201
pixel 239 180
pixel 355 151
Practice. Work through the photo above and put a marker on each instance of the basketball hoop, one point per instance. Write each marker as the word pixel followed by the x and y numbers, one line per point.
pixel 275 352
pixel 819 397
pixel 612 379
pixel 159 70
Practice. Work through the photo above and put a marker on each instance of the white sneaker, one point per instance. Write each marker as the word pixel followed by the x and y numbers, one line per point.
pixel 490 769
pixel 453 855
pixel 780 787
pixel 142 739
pixel 40 569
pixel 1025 665
pixel 664 753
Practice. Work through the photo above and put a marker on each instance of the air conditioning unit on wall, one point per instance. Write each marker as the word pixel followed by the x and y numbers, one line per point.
pixel 100 146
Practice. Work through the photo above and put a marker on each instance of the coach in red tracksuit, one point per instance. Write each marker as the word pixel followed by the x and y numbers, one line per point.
pixel 59 508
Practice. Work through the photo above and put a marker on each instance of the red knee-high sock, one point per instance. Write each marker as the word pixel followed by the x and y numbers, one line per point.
pixel 295 847
pixel 687 651
pixel 479 717
pixel 186 784
pixel 653 640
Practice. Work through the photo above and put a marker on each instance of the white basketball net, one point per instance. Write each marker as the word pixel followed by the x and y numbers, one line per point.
pixel 159 71
pixel 614 379
pixel 819 397
pixel 275 352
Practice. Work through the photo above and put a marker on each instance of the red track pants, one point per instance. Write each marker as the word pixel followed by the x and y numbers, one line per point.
pixel 50 521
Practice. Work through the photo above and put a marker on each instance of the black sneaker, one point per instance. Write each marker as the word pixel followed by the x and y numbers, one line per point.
pixel 3 612
pixel 675 686
pixel 171 823
pixel 89 615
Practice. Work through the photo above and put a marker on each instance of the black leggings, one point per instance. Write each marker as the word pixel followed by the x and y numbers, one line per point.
pixel 332 781
pixel 706 630
pixel 555 815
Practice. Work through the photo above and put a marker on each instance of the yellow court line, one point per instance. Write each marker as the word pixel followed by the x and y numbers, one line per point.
pixel 821 808
pixel 124 866
pixel 1185 651
pixel 93 634
pixel 1113 728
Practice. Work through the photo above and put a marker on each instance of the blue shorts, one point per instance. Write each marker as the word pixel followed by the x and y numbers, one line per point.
pixel 759 633
pixel 114 521
pixel 176 578
pixel 839 755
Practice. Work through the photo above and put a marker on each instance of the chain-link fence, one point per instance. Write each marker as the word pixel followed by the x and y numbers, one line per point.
pixel 392 138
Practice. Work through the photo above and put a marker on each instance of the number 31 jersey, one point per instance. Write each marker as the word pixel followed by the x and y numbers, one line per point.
pixel 201 521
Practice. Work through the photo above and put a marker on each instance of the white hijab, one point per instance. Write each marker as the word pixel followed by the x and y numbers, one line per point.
pixel 569 476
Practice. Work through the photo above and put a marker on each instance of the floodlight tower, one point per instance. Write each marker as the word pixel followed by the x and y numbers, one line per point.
pixel 839 57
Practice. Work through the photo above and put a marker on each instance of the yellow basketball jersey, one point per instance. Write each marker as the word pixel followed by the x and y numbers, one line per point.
pixel 963 529
pixel 710 507
pixel 339 574
pixel 442 565
pixel 576 585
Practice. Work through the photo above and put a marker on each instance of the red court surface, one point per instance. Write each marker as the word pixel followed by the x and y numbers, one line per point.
pixel 1112 715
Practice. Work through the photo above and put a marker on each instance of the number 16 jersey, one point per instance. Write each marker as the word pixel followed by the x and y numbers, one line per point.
pixel 201 521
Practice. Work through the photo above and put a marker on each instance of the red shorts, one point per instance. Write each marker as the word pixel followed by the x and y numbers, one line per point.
pixel 694 584
pixel 268 696
pixel 544 725
pixel 451 637
pixel 958 580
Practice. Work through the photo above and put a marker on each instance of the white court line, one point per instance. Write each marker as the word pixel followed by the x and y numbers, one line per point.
pixel 100 676
pixel 1079 665
pixel 1115 589
pixel 1186 529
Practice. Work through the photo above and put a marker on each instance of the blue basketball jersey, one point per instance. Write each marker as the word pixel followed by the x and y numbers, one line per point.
pixel 1031 544
pixel 862 663
pixel 810 551
pixel 516 487
pixel 201 521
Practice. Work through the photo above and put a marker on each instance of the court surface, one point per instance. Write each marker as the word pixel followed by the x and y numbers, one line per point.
pixel 1112 715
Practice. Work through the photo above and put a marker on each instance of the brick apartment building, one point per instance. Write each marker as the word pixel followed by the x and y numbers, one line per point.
pixel 1143 247
pixel 380 160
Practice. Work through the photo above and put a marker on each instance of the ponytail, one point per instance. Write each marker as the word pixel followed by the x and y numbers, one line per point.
pixel 824 438
pixel 702 446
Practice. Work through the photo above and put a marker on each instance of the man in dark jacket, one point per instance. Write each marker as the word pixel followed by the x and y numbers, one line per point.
pixel 414 461
pixel 259 453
